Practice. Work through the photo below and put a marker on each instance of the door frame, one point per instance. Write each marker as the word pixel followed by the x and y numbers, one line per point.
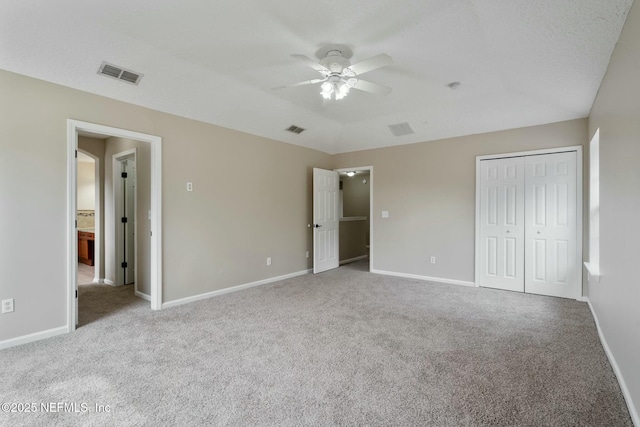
pixel 117 158
pixel 371 244
pixel 74 127
pixel 579 204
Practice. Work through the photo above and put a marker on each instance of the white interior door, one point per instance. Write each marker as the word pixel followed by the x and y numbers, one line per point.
pixel 502 224
pixel 550 233
pixel 325 220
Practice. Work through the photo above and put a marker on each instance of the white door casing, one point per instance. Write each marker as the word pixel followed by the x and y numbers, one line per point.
pixel 550 225
pixel 502 224
pixel 325 220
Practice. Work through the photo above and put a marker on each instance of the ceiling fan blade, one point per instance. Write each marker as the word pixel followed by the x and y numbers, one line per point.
pixel 372 63
pixel 372 87
pixel 306 82
pixel 319 68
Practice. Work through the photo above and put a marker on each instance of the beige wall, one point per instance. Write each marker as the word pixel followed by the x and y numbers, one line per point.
pixel 616 298
pixel 114 146
pixel 86 186
pixel 251 200
pixel 429 191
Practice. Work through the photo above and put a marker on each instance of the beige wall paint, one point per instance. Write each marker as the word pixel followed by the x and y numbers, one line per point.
pixel 96 147
pixel 251 200
pixel 429 191
pixel 114 146
pixel 86 186
pixel 616 298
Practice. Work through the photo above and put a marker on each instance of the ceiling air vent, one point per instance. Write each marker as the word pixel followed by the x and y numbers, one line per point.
pixel 295 129
pixel 401 129
pixel 119 73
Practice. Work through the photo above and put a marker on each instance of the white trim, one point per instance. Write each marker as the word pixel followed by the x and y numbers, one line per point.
pixel 143 296
pixel 108 282
pixel 593 271
pixel 579 207
pixel 426 278
pixel 352 218
pixel 371 244
pixel 212 294
pixel 37 336
pixel 358 258
pixel 73 128
pixel 616 369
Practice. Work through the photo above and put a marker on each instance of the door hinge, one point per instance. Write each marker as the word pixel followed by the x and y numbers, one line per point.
pixel 76 154
pixel 76 293
pixel 76 223
pixel 124 174
pixel 123 265
pixel 124 219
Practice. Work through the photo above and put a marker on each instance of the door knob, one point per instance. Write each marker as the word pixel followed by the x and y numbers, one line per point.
pixel 317 225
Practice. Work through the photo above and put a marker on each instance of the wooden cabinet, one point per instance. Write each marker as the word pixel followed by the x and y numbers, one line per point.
pixel 86 242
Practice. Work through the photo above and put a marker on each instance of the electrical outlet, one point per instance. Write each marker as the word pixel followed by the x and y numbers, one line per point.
pixel 433 260
pixel 307 254
pixel 268 261
pixel 7 305
pixel 189 186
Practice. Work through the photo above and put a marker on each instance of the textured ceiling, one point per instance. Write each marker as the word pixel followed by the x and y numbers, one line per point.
pixel 520 62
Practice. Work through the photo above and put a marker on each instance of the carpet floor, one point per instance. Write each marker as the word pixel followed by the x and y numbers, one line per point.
pixel 345 347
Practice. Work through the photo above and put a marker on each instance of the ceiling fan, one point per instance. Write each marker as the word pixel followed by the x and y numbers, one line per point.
pixel 339 75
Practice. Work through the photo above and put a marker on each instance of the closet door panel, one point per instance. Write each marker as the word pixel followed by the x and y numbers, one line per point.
pixel 502 224
pixel 550 231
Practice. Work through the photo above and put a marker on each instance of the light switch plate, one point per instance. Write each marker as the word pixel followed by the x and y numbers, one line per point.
pixel 385 214
pixel 189 186
pixel 7 305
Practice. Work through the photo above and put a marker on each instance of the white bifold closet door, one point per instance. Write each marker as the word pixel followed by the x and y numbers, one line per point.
pixel 528 224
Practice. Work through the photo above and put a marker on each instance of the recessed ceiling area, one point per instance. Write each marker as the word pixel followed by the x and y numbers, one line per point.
pixel 516 62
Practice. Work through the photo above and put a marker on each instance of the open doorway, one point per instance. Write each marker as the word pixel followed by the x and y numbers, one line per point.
pixel 88 217
pixel 355 214
pixel 117 142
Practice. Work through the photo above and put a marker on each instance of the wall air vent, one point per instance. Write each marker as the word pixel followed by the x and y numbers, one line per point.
pixel 295 129
pixel 401 129
pixel 119 73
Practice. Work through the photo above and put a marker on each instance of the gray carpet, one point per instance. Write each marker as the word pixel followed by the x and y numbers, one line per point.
pixel 345 347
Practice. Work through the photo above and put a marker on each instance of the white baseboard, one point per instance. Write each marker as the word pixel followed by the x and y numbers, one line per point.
pixel 108 282
pixel 612 360
pixel 232 289
pixel 358 258
pixel 427 278
pixel 12 342
pixel 143 296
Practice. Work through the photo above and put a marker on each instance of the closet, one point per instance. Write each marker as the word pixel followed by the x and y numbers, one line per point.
pixel 528 225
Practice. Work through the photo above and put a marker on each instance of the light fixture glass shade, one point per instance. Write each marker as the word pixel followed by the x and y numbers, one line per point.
pixel 339 89
pixel 351 173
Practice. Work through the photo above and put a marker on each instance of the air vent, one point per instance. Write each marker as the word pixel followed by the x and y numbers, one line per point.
pixel 401 129
pixel 119 73
pixel 295 129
